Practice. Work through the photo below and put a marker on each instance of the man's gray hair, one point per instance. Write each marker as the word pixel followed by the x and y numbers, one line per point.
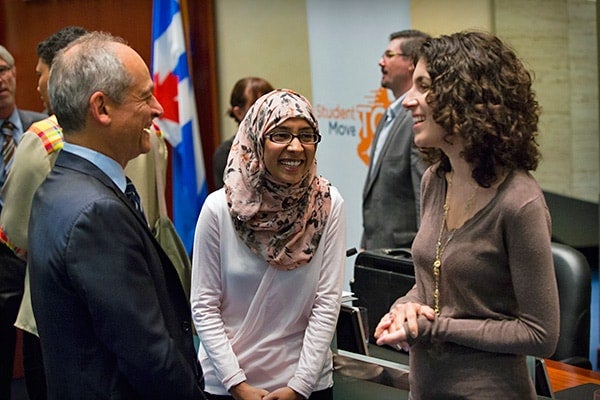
pixel 87 65
pixel 6 56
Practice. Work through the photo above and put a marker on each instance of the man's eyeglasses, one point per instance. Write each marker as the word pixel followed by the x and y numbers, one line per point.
pixel 283 137
pixel 391 54
pixel 4 70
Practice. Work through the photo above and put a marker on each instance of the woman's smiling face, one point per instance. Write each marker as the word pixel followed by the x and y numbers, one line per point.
pixel 428 133
pixel 289 163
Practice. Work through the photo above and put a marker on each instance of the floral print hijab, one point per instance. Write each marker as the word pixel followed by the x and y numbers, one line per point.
pixel 280 222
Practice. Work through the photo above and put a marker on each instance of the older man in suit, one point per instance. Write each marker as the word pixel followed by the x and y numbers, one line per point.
pixel 391 191
pixel 13 122
pixel 111 312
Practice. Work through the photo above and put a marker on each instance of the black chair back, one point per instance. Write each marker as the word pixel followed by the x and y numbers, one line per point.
pixel 574 279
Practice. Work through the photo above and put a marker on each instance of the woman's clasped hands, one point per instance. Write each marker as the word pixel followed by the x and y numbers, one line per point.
pixel 244 391
pixel 392 328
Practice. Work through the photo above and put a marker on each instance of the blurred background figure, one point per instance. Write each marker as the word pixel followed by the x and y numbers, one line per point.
pixel 32 162
pixel 244 93
pixel 391 191
pixel 13 122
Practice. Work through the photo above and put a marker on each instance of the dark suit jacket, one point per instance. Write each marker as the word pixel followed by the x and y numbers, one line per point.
pixel 111 312
pixel 220 161
pixel 12 268
pixel 29 117
pixel 392 189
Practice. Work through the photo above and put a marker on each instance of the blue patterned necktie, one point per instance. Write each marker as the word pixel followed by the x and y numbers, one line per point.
pixel 383 134
pixel 8 147
pixel 133 195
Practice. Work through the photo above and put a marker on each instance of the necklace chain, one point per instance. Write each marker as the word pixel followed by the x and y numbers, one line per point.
pixel 437 264
pixel 440 248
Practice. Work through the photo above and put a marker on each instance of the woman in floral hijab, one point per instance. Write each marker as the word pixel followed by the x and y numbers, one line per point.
pixel 269 261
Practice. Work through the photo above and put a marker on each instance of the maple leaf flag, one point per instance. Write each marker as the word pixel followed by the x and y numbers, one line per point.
pixel 174 90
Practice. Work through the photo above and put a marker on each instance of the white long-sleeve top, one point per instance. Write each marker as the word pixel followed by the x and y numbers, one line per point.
pixel 268 327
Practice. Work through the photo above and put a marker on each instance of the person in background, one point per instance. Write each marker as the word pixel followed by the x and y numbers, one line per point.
pixel 243 95
pixel 390 203
pixel 31 163
pixel 485 294
pixel 111 313
pixel 268 264
pixel 13 122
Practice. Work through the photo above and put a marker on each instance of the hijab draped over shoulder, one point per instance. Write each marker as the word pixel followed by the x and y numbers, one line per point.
pixel 280 222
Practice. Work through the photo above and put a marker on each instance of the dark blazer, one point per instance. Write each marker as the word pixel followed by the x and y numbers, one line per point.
pixel 392 189
pixel 12 268
pixel 29 117
pixel 111 312
pixel 220 161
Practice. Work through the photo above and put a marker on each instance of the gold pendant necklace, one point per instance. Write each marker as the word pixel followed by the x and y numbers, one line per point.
pixel 439 247
pixel 437 264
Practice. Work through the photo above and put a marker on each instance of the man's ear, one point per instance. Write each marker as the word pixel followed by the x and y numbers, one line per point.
pixel 100 108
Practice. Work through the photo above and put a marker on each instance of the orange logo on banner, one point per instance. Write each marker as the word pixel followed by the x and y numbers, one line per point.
pixel 370 114
pixel 366 116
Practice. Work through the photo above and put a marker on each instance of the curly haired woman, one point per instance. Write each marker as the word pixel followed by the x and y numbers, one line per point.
pixel 485 293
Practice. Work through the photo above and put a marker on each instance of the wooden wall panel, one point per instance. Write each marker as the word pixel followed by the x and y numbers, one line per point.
pixel 24 23
pixel 201 17
pixel 28 22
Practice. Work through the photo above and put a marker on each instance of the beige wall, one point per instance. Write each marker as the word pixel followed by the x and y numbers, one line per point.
pixel 266 38
pixel 556 38
pixel 438 17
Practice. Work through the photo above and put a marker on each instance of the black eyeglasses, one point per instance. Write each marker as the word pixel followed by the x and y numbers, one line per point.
pixel 283 137
pixel 391 54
